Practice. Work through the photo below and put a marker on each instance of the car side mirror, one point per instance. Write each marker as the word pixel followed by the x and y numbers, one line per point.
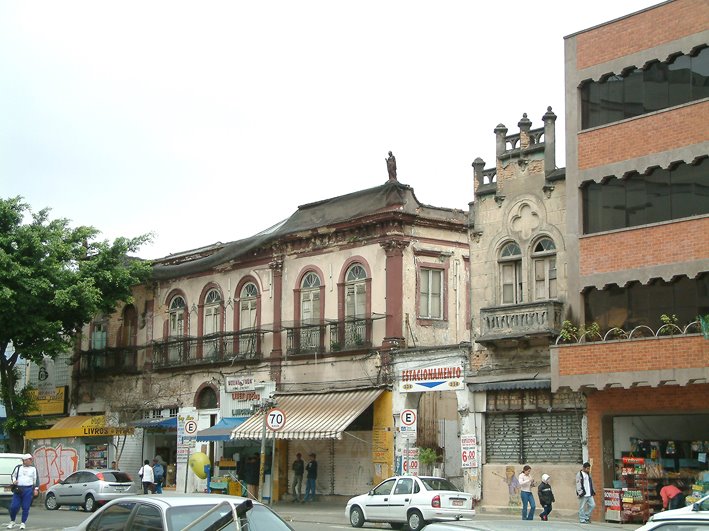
pixel 371 492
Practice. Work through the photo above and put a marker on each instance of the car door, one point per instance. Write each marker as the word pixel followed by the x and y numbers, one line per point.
pixel 67 491
pixel 400 499
pixel 376 504
pixel 88 482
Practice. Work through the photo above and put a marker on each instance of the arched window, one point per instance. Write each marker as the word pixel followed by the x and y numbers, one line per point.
pixel 129 332
pixel 544 260
pixel 207 399
pixel 212 309
pixel 355 291
pixel 248 306
pixel 176 328
pixel 511 273
pixel 310 312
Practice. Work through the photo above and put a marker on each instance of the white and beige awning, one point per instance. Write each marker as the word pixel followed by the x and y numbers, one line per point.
pixel 311 416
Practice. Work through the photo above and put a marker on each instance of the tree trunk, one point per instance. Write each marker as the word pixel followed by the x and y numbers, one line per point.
pixel 9 397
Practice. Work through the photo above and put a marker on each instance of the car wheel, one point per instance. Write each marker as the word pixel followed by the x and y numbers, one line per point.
pixel 90 504
pixel 356 517
pixel 415 521
pixel 50 502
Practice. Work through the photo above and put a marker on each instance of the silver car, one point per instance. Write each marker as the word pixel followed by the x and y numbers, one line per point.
pixel 194 512
pixel 89 489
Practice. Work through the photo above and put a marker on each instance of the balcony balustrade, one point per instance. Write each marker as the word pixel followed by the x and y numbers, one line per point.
pixel 503 325
pixel 216 348
pixel 119 360
pixel 351 334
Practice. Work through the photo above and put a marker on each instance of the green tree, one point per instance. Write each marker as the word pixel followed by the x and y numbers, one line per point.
pixel 53 280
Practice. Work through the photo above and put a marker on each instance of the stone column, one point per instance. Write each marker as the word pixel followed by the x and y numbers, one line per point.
pixel 277 350
pixel 394 333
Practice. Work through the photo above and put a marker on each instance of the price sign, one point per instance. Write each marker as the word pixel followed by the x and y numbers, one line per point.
pixel 275 419
pixel 469 451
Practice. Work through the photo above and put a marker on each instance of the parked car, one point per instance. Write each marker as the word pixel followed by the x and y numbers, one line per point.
pixel 693 516
pixel 412 501
pixel 8 462
pixel 89 489
pixel 178 512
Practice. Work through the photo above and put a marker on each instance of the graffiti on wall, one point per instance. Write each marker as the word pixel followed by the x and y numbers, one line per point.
pixel 54 463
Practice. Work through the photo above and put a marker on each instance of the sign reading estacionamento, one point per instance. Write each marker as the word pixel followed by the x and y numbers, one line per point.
pixel 446 378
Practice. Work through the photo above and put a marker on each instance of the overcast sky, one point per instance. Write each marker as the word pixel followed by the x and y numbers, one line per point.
pixel 210 121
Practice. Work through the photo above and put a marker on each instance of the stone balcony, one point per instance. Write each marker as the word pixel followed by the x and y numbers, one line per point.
pixel 530 322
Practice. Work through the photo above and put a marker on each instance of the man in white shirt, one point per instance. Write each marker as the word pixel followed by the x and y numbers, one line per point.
pixel 147 477
pixel 26 479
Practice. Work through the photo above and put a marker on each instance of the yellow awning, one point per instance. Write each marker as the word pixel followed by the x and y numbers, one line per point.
pixel 80 426
pixel 312 416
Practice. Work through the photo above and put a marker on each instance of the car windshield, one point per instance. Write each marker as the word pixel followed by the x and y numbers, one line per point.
pixel 259 517
pixel 438 484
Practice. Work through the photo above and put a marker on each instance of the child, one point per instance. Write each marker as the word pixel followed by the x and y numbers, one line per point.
pixel 546 496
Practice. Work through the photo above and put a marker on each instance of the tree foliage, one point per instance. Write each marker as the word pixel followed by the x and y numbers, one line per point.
pixel 53 280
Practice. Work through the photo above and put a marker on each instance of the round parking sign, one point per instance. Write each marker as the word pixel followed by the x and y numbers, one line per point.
pixel 191 427
pixel 275 419
pixel 408 417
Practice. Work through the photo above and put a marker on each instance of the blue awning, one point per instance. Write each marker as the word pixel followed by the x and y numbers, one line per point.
pixel 159 423
pixel 221 431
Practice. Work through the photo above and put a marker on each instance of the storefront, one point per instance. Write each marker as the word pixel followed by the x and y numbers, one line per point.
pixel 160 438
pixel 71 444
pixel 229 455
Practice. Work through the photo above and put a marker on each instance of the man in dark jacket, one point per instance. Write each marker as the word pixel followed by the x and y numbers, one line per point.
pixel 546 496
pixel 311 470
pixel 298 468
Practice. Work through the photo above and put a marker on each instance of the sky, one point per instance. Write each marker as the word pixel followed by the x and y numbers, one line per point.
pixel 210 121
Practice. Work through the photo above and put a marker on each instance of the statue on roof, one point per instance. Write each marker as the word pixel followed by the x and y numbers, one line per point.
pixel 391 166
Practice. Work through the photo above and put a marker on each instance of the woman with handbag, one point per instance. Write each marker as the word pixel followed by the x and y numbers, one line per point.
pixel 25 486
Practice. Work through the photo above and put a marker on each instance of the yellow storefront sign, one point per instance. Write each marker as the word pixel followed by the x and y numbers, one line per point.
pixel 80 426
pixel 49 405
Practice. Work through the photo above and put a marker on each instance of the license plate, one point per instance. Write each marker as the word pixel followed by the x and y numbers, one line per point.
pixel 457 503
pixel 120 489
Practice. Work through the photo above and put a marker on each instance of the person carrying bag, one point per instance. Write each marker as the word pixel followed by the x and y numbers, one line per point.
pixel 25 486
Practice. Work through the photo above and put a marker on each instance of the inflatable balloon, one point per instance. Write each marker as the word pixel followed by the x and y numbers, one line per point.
pixel 197 462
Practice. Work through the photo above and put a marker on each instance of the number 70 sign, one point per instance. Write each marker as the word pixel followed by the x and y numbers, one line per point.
pixel 275 419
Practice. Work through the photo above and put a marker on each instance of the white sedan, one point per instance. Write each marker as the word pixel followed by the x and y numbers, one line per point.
pixel 183 512
pixel 692 517
pixel 412 501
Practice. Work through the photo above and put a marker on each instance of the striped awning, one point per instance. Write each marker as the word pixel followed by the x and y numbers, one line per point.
pixel 311 416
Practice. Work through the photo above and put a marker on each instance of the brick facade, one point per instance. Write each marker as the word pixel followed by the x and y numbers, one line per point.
pixel 644 30
pixel 653 133
pixel 636 247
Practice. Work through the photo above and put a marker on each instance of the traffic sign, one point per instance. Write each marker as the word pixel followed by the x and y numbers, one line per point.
pixel 191 427
pixel 408 423
pixel 275 419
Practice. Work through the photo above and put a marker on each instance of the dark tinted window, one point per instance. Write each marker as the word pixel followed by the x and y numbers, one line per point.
pixel 384 487
pixel 639 304
pixel 116 477
pixel 661 195
pixel 656 86
pixel 113 518
pixel 438 484
pixel 261 518
pixel 87 477
pixel 147 518
pixel 73 478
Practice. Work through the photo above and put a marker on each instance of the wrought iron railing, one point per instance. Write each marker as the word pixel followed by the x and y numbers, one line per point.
pixel 118 360
pixel 351 334
pixel 215 348
pixel 305 340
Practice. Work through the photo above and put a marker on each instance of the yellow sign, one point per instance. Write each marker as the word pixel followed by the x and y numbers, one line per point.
pixel 80 427
pixel 50 405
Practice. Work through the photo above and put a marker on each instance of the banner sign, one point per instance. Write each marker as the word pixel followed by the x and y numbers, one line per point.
pixel 234 384
pixel 446 378
pixel 469 451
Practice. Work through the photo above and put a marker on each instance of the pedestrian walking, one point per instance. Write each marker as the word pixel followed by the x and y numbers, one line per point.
pixel 25 486
pixel 147 477
pixel 585 493
pixel 311 471
pixel 526 482
pixel 546 496
pixel 159 473
pixel 298 469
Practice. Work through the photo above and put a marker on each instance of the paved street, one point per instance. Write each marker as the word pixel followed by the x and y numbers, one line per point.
pixel 323 515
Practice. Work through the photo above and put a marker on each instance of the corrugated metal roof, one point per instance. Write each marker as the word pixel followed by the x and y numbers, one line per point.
pixel 510 385
pixel 312 416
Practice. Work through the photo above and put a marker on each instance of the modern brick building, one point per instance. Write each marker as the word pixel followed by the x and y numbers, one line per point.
pixel 637 118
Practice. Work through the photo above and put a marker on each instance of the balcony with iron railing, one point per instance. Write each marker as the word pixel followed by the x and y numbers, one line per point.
pixel 351 334
pixel 208 350
pixel 346 335
pixel 105 361
pixel 511 324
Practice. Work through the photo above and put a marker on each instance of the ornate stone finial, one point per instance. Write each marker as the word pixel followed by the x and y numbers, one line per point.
pixel 525 123
pixel 391 166
pixel 549 115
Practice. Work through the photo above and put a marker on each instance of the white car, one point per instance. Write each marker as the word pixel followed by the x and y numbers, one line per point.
pixel 412 501
pixel 690 518
pixel 194 512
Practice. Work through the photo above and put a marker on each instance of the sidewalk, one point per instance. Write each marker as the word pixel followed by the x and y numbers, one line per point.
pixel 331 510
